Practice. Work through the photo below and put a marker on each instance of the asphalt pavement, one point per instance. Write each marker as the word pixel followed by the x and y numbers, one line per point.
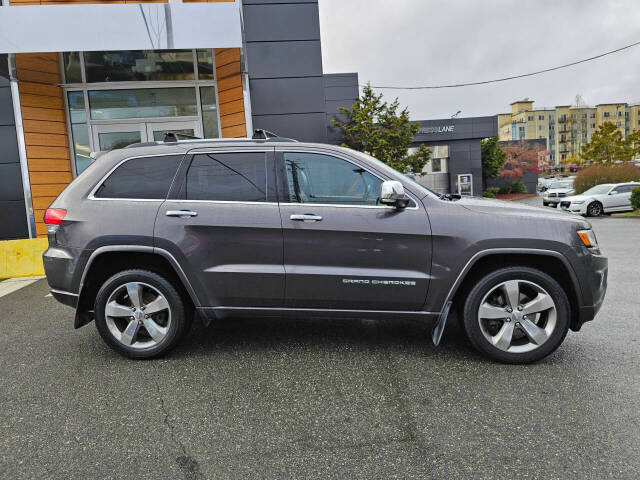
pixel 322 399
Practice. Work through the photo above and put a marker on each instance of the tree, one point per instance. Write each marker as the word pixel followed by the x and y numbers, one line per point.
pixel 521 157
pixel 606 145
pixel 382 130
pixel 493 158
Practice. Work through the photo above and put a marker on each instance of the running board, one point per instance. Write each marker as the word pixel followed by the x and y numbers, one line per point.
pixel 438 328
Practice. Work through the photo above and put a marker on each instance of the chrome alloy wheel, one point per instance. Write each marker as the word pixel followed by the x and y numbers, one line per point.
pixel 517 316
pixel 138 315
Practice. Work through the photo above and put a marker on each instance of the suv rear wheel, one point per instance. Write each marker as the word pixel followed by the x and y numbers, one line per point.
pixel 140 314
pixel 516 315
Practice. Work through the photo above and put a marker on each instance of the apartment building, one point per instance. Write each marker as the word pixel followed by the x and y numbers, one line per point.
pixel 566 128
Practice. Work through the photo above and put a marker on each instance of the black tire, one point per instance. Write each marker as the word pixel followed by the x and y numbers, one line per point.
pixel 594 209
pixel 545 204
pixel 177 327
pixel 471 321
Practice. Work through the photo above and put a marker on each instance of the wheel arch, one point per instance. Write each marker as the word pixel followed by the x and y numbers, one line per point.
pixel 106 261
pixel 548 261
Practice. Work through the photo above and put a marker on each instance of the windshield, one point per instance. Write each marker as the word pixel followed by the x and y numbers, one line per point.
pixel 419 189
pixel 562 185
pixel 599 189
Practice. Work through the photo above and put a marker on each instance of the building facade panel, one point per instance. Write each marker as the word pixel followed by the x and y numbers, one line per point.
pixel 311 127
pixel 273 59
pixel 13 218
pixel 281 21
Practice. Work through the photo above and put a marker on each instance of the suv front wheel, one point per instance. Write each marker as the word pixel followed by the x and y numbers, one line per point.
pixel 139 314
pixel 516 315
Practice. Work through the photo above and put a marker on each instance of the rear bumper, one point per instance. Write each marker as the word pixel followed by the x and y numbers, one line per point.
pixel 66 298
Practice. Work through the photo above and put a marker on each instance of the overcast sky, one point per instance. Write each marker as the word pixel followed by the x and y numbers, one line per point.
pixel 433 42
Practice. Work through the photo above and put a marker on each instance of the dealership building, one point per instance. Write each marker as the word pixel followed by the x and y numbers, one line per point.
pixel 79 77
pixel 456 164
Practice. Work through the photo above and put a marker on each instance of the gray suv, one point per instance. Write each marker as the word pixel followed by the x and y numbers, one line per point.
pixel 154 235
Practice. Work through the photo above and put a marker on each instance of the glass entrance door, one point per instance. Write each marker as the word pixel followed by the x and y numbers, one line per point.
pixel 111 136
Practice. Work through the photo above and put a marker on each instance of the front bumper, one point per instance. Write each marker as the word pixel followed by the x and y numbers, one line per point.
pixel 594 285
pixel 578 209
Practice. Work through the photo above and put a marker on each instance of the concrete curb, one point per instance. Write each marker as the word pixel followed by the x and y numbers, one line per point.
pixel 22 258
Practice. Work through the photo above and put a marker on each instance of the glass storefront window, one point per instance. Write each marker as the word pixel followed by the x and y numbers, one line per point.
pixel 209 112
pixel 205 64
pixel 72 67
pixel 143 103
pixel 139 65
pixel 79 131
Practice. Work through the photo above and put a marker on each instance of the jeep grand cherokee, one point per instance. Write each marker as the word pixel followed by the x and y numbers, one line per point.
pixel 153 235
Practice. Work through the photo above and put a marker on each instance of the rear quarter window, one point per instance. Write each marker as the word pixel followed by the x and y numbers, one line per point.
pixel 141 178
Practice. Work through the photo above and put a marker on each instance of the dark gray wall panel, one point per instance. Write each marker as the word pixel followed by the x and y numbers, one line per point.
pixel 284 59
pixel 287 95
pixel 308 127
pixel 10 182
pixel 8 145
pixel 13 223
pixel 4 71
pixel 340 80
pixel 281 21
pixel 6 107
pixel 13 217
pixel 340 90
pixel 341 93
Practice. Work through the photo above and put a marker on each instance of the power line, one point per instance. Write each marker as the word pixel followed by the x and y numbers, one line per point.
pixel 504 79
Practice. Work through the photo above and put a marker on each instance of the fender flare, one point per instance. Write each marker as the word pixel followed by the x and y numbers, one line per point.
pixel 82 318
pixel 521 251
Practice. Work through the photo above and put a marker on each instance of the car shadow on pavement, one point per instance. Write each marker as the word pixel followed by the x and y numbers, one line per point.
pixel 255 334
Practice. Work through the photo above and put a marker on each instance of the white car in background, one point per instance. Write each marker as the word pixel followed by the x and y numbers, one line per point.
pixel 557 191
pixel 605 198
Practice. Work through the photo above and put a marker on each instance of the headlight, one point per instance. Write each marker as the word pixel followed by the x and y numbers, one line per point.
pixel 577 202
pixel 588 239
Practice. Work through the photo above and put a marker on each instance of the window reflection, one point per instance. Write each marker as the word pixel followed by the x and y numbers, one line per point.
pixel 209 112
pixel 142 103
pixel 79 131
pixel 139 65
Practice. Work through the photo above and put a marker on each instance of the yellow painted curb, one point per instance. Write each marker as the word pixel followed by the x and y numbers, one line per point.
pixel 22 258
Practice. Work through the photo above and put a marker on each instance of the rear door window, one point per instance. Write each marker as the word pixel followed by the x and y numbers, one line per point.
pixel 233 177
pixel 146 178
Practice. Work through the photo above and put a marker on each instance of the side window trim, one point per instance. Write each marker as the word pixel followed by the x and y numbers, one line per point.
pixel 283 185
pixel 104 178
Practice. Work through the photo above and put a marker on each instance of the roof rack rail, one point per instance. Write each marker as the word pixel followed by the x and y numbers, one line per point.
pixel 261 134
pixel 173 137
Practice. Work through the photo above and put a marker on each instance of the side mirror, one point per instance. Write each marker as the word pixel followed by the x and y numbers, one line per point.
pixel 392 193
pixel 613 192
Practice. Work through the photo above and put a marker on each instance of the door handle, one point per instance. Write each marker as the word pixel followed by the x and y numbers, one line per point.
pixel 181 213
pixel 307 217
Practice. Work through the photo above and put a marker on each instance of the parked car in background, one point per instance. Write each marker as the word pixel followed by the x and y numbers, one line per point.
pixel 605 198
pixel 557 191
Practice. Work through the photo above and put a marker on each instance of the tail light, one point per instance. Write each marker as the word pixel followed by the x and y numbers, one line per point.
pixel 53 218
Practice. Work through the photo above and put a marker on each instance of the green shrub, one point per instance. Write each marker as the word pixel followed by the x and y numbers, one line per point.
pixel 635 198
pixel 494 190
pixel 518 187
pixel 598 174
pixel 488 194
